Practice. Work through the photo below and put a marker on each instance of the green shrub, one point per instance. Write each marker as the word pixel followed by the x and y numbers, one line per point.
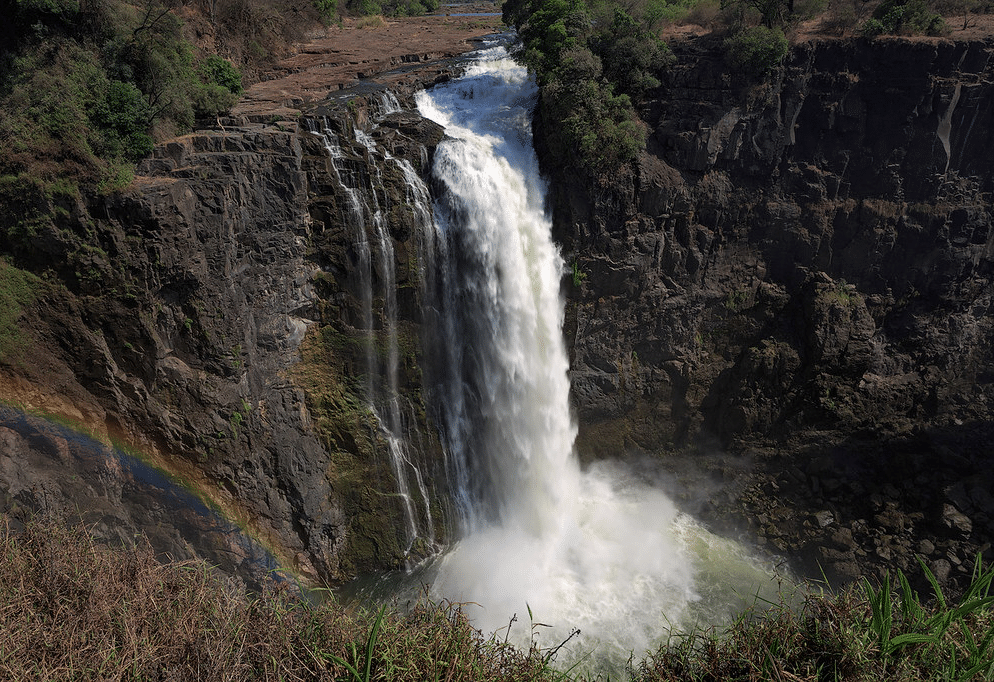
pixel 117 176
pixel 755 51
pixel 658 13
pixel 121 119
pixel 327 10
pixel 593 62
pixel 631 55
pixel 17 291
pixel 904 17
pixel 215 70
pixel 591 126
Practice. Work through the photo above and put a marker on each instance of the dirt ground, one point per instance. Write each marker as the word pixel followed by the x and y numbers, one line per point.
pixel 343 55
pixel 841 19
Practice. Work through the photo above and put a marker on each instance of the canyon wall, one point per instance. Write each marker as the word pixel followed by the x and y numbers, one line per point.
pixel 798 272
pixel 210 318
pixel 786 303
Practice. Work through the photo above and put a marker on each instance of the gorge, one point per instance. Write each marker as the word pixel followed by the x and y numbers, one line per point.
pixel 780 314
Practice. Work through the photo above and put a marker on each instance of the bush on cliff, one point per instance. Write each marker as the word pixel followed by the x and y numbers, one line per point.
pixel 84 85
pixel 593 62
pixel 904 17
pixel 755 51
pixel 586 121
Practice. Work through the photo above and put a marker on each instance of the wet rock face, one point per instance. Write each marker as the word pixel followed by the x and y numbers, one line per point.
pixel 57 473
pixel 209 317
pixel 800 269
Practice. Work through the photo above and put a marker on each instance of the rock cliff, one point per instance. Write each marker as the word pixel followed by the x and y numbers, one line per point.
pixel 798 272
pixel 786 301
pixel 209 317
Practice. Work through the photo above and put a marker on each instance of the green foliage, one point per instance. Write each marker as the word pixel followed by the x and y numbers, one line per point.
pixel 121 118
pixel 755 51
pixel 118 175
pixel 81 88
pixel 17 291
pixel 327 10
pixel 393 8
pixel 579 276
pixel 867 632
pixel 658 13
pixel 215 70
pixel 631 55
pixel 904 17
pixel 593 61
pixel 41 15
pixel 28 204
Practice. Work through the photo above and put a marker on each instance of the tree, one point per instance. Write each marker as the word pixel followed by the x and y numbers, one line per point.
pixel 774 13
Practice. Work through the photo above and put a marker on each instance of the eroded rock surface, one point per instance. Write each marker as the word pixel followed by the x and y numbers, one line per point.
pixel 798 272
pixel 209 316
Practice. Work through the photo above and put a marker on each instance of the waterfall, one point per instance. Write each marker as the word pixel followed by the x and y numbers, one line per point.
pixel 363 215
pixel 594 549
pixel 599 549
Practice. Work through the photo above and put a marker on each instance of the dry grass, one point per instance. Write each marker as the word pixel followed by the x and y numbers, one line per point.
pixel 371 21
pixel 73 610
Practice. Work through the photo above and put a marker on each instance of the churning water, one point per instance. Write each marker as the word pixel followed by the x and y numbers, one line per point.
pixel 593 549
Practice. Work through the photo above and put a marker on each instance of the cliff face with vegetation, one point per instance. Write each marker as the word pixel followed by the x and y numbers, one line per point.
pixel 785 299
pixel 798 271
pixel 213 322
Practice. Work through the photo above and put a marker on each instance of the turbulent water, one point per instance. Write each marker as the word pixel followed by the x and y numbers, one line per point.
pixel 595 549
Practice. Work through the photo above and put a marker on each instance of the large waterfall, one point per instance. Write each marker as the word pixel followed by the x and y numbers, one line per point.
pixel 537 538
pixel 596 549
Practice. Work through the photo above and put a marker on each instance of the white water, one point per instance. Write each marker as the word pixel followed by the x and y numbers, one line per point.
pixel 596 550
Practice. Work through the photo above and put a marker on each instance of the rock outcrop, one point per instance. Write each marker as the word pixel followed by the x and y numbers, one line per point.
pixel 798 272
pixel 790 293
pixel 209 316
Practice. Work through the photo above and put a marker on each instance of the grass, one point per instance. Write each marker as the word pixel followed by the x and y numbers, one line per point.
pixel 71 609
pixel 869 632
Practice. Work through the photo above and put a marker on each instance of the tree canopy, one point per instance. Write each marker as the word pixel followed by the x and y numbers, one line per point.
pixel 594 61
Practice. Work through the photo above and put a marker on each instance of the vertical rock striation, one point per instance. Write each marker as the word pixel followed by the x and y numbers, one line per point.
pixel 207 316
pixel 800 269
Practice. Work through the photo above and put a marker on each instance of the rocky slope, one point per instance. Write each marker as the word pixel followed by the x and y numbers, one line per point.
pixel 798 272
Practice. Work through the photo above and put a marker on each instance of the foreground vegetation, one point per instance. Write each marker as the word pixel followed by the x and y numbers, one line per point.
pixel 71 609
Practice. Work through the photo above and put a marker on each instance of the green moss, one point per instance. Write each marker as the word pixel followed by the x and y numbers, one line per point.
pixel 18 290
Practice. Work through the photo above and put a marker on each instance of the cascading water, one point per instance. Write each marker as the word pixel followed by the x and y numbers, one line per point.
pixel 595 549
pixel 384 396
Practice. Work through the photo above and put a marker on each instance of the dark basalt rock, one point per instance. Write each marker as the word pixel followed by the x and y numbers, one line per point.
pixel 801 269
pixel 210 317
